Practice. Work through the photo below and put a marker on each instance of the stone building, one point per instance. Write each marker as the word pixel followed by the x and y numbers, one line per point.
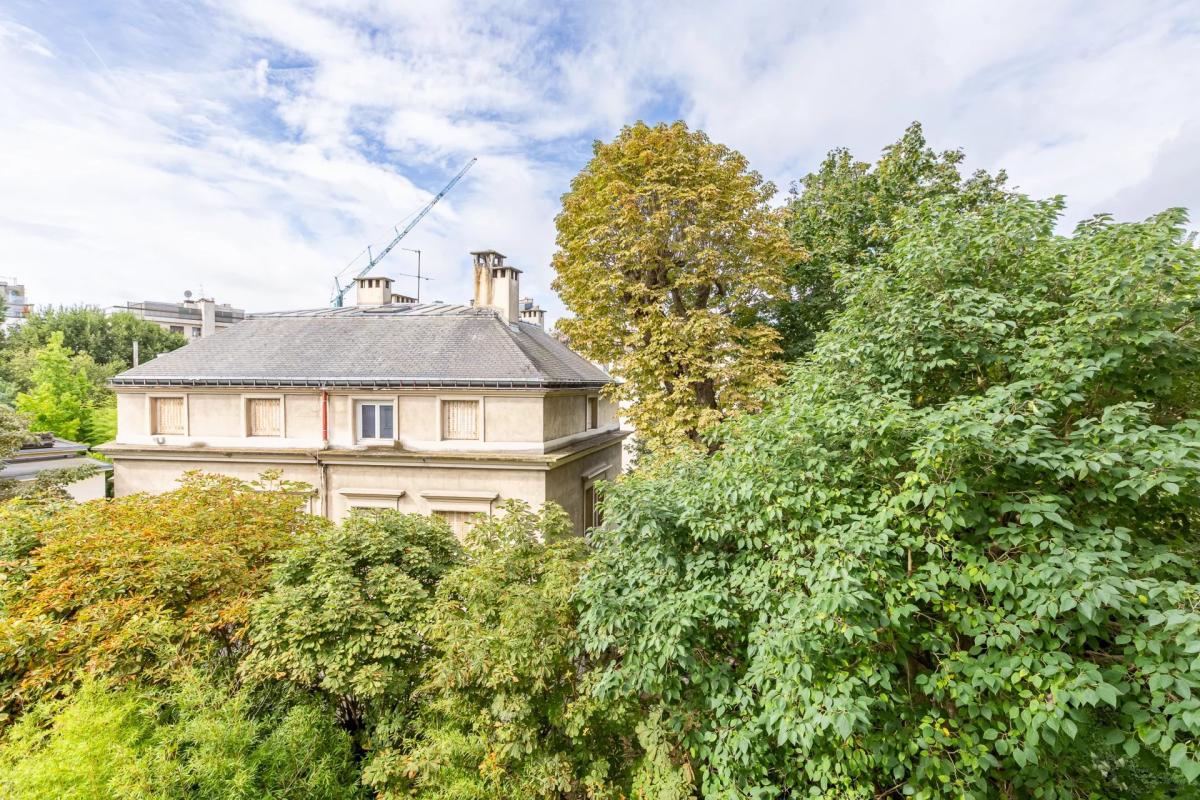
pixel 193 317
pixel 426 408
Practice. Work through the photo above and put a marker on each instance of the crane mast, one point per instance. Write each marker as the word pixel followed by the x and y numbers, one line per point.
pixel 339 291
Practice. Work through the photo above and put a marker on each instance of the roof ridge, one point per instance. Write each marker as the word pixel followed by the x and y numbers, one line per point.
pixel 512 328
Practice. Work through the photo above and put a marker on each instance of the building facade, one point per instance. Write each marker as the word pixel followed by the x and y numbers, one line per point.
pixel 48 453
pixel 191 318
pixel 16 306
pixel 425 408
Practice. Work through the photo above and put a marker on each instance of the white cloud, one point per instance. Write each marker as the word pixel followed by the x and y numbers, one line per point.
pixel 255 146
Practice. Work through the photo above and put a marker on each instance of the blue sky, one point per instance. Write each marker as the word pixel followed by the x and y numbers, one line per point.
pixel 254 148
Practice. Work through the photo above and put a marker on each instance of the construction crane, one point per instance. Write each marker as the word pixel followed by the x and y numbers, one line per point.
pixel 339 291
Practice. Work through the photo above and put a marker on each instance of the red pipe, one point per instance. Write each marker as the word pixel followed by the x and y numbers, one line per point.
pixel 324 418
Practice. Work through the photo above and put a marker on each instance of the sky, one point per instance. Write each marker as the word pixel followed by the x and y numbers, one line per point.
pixel 251 149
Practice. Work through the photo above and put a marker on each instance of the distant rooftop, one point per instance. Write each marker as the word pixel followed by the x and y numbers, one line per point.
pixel 48 453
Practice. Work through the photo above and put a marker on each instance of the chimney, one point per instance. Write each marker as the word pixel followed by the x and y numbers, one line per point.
pixel 208 316
pixel 497 285
pixel 532 313
pixel 372 291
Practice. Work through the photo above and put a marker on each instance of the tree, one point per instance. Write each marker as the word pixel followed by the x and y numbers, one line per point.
pixel 844 217
pixel 198 737
pixel 107 338
pixel 956 554
pixel 110 588
pixel 508 711
pixel 343 619
pixel 58 399
pixel 668 255
pixel 13 432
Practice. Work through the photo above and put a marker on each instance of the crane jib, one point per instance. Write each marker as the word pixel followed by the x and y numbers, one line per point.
pixel 339 292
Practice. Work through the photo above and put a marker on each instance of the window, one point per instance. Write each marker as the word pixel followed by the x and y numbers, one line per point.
pixel 376 421
pixel 460 521
pixel 591 510
pixel 195 332
pixel 460 419
pixel 166 415
pixel 593 412
pixel 176 329
pixel 264 416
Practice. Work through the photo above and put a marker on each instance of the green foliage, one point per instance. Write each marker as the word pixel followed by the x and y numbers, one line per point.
pixel 509 711
pixel 197 738
pixel 956 550
pixel 86 748
pixel 668 255
pixel 56 365
pixel 108 587
pixel 845 218
pixel 344 616
pixel 58 399
pixel 106 338
pixel 14 429
pixel 100 423
pixel 212 743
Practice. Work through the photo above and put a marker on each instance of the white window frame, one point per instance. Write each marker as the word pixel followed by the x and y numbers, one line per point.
pixel 481 415
pixel 356 401
pixel 246 398
pixel 151 419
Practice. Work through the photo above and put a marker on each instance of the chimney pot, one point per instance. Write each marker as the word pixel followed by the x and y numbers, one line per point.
pixel 372 291
pixel 208 316
pixel 497 285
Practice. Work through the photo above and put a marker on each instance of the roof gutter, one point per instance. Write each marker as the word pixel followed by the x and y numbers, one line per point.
pixel 357 383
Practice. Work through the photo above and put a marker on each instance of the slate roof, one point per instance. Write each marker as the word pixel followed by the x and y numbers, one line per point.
pixel 413 345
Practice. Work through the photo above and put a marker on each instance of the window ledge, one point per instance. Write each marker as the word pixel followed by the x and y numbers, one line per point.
pixel 392 493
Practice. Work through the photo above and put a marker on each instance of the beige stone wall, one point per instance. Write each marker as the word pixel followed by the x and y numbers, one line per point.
pixel 155 476
pixel 513 419
pixel 131 414
pixel 212 415
pixel 302 415
pixel 564 484
pixel 216 417
pixel 418 416
pixel 563 415
pixel 411 488
pixel 426 488
pixel 92 488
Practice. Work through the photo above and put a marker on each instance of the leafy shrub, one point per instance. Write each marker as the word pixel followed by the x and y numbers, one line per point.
pixel 958 548
pixel 344 618
pixel 107 587
pixel 86 748
pixel 509 711
pixel 197 738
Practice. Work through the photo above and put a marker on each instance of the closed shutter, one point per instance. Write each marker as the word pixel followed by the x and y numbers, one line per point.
pixel 168 415
pixel 265 416
pixel 460 419
pixel 460 522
